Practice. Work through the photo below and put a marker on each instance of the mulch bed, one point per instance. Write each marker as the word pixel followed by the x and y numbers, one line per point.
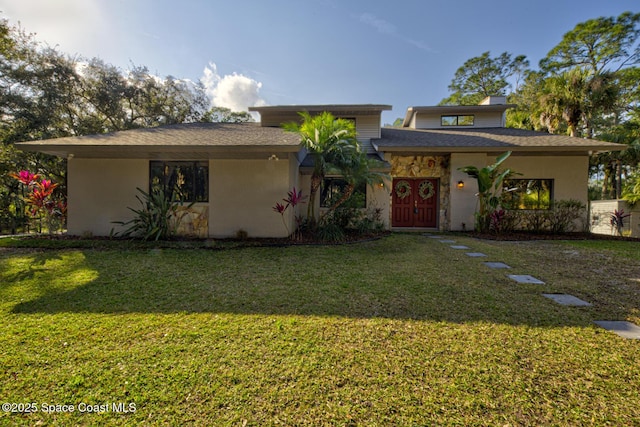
pixel 519 236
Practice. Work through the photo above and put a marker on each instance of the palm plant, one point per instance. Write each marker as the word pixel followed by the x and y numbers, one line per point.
pixel 355 169
pixel 490 179
pixel 331 142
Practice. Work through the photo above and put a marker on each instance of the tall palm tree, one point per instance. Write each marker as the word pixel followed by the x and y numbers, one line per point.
pixel 330 142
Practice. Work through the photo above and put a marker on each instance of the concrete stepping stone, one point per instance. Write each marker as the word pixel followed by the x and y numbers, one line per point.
pixel 447 241
pixel 566 299
pixel 496 265
pixel 622 328
pixel 525 278
pixel 459 247
pixel 435 236
pixel 475 254
pixel 428 235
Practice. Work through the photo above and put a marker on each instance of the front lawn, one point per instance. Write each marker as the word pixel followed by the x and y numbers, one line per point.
pixel 399 331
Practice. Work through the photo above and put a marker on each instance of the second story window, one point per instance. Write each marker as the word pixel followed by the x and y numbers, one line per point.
pixel 457 120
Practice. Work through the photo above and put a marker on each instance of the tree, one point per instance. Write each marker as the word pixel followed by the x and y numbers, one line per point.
pixel 225 115
pixel 355 169
pixel 597 45
pixel 330 142
pixel 46 94
pixel 483 76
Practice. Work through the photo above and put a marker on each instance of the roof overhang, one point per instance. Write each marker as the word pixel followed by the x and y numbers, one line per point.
pixel 333 108
pixel 181 141
pixel 517 151
pixel 156 151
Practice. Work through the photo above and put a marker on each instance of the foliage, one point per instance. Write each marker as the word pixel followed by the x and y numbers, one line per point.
pixel 294 198
pixel 330 142
pixel 40 201
pixel 355 169
pixel 47 94
pixel 225 115
pixel 631 193
pixel 349 219
pixel 483 76
pixel 157 219
pixel 565 214
pixel 605 43
pixel 489 180
pixel 617 220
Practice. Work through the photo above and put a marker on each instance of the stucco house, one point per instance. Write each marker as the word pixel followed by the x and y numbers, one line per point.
pixel 236 172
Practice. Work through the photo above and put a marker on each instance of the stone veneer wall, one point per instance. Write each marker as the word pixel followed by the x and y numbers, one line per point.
pixel 194 221
pixel 427 167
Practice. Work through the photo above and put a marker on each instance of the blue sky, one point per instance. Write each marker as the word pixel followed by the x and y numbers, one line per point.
pixel 400 52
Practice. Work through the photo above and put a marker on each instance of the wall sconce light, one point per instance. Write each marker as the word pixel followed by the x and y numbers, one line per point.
pixel 273 157
pixel 460 185
pixel 381 185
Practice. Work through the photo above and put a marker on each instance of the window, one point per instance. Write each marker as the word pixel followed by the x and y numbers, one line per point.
pixel 527 193
pixel 333 189
pixel 185 181
pixel 458 120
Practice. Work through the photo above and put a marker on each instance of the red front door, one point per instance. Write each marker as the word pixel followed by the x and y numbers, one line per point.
pixel 414 202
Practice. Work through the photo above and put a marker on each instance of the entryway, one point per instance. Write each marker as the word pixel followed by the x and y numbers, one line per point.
pixel 415 202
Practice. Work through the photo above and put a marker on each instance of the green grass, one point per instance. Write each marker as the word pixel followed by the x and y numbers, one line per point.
pixel 399 331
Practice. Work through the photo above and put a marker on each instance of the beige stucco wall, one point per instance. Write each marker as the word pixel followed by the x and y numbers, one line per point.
pixel 464 202
pixel 99 191
pixel 242 194
pixel 570 173
pixel 380 198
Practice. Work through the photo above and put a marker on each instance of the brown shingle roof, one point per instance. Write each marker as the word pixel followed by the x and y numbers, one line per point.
pixel 193 137
pixel 484 139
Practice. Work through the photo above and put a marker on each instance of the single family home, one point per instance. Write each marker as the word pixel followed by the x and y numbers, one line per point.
pixel 235 173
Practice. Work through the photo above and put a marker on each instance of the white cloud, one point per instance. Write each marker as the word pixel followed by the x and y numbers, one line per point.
pixel 234 91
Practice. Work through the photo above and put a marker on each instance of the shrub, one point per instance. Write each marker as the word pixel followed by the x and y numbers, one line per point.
pixel 330 232
pixel 157 219
pixel 564 214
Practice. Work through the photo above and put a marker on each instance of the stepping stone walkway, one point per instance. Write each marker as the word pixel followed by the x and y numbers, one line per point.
pixel 624 329
pixel 566 299
pixel 525 278
pixel 496 265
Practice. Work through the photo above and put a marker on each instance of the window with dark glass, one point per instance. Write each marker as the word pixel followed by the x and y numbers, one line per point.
pixel 333 189
pixel 184 181
pixel 457 120
pixel 527 193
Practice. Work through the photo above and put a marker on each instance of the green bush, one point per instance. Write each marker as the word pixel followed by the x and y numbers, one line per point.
pixel 562 217
pixel 564 214
pixel 158 219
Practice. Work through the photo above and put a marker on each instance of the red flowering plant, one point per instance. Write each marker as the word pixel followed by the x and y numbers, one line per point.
pixel 294 197
pixel 41 201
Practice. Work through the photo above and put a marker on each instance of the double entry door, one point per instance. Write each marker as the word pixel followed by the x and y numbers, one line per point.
pixel 414 202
